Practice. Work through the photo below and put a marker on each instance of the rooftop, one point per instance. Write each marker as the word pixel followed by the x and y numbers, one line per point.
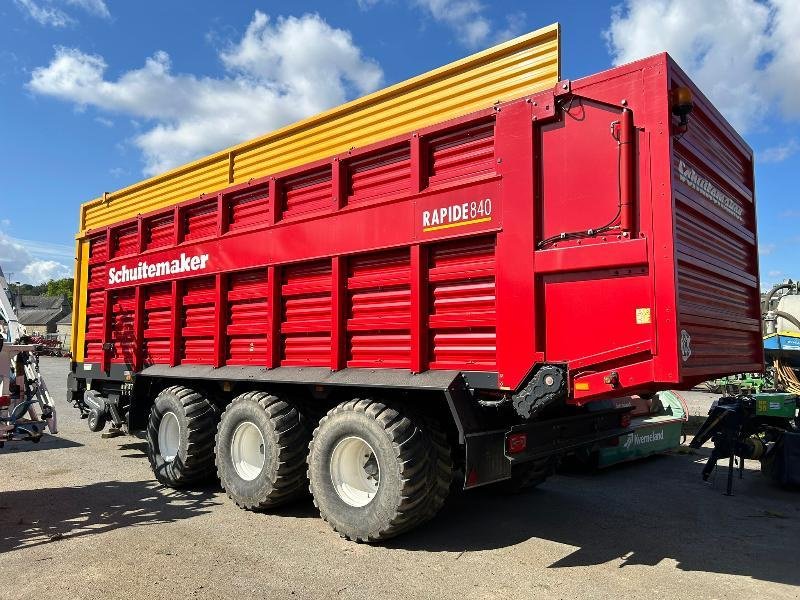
pixel 42 310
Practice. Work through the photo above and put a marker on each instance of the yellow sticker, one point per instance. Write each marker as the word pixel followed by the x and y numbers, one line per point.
pixel 642 316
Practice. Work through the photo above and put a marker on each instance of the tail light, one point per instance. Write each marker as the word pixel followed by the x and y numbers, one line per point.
pixel 516 442
pixel 472 478
pixel 625 420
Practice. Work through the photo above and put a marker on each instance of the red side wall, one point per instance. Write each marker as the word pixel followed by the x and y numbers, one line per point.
pixel 421 253
pixel 716 248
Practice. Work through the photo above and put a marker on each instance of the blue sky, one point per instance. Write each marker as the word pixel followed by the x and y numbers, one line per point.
pixel 97 94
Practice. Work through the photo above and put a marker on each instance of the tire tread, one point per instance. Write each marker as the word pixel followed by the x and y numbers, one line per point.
pixel 423 460
pixel 291 435
pixel 199 462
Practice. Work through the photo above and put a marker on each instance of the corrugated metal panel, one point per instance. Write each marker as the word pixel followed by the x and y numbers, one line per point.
pixel 97 275
pixel 98 250
pixel 306 193
pixel 157 324
pixel 306 315
pixel 717 309
pixel 95 321
pixel 125 241
pixel 159 231
pixel 248 318
pixel 465 152
pixel 95 299
pixel 199 220
pixel 716 254
pixel 248 208
pixel 379 311
pixel 697 235
pixel 123 306
pixel 510 70
pixel 379 174
pixel 462 305
pixel 198 311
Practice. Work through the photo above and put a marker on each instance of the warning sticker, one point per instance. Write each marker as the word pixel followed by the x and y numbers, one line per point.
pixel 642 316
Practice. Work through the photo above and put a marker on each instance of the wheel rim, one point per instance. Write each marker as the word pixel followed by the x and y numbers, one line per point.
pixel 355 472
pixel 169 436
pixel 247 451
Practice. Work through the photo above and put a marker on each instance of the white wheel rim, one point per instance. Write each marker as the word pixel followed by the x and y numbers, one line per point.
pixel 169 436
pixel 247 451
pixel 355 472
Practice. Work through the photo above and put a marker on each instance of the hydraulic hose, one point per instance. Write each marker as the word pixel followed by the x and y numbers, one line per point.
pixel 771 293
pixel 787 377
pixel 784 315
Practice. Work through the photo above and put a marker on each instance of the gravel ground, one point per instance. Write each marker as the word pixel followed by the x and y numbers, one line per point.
pixel 81 517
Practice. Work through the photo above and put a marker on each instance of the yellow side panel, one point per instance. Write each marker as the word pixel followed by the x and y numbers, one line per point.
pixel 77 345
pixel 521 66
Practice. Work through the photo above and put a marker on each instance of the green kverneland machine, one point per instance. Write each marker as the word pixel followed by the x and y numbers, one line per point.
pixel 657 422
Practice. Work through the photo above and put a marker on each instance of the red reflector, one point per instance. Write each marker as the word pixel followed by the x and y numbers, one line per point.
pixel 516 442
pixel 625 420
pixel 472 478
pixel 5 401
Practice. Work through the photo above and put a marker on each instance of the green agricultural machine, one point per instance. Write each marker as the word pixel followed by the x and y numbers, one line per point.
pixel 657 426
pixel 763 427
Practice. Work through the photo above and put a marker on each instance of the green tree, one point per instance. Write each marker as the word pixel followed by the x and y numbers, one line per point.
pixel 59 287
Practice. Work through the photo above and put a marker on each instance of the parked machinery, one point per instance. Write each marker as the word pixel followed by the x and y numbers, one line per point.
pixel 385 296
pixel 781 315
pixel 763 427
pixel 22 388
pixel 48 345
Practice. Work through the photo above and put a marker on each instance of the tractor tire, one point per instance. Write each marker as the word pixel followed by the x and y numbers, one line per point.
pixel 441 470
pixel 261 448
pixel 180 437
pixel 370 471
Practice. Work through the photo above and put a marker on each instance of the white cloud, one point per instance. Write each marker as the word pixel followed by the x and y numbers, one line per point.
pixel 301 57
pixel 467 18
pixel 13 257
pixel 48 13
pixel 97 8
pixel 34 262
pixel 104 122
pixel 744 54
pixel 40 271
pixel 47 249
pixel 516 24
pixel 778 153
pixel 277 73
pixel 774 273
pixel 783 72
pixel 766 249
pixel 45 14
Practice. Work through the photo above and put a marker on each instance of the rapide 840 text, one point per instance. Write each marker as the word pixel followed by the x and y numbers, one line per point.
pixel 464 213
